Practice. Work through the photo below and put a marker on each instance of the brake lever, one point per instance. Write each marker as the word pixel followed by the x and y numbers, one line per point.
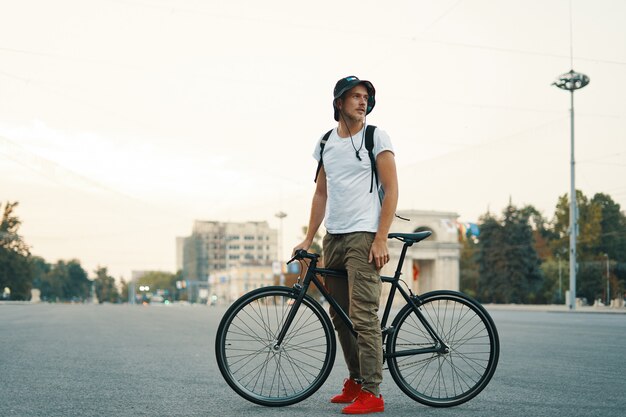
pixel 300 254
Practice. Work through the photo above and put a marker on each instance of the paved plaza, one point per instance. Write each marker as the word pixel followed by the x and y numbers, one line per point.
pixel 123 360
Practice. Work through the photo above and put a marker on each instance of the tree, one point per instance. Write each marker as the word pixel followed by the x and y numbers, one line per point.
pixel 66 281
pixel 469 271
pixel 601 230
pixel 123 290
pixel 589 226
pixel 15 267
pixel 612 228
pixel 40 268
pixel 491 260
pixel 106 291
pixel 164 282
pixel 78 286
pixel 508 261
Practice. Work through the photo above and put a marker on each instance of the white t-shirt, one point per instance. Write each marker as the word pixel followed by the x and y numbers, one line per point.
pixel 350 207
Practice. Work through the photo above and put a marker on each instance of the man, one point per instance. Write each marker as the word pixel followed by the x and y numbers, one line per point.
pixel 357 224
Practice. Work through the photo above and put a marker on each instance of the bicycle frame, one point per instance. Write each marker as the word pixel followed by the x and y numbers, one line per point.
pixel 413 300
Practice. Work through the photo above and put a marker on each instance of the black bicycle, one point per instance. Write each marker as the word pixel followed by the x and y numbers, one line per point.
pixel 275 346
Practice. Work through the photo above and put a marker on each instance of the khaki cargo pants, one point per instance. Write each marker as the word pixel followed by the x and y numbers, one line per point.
pixel 359 297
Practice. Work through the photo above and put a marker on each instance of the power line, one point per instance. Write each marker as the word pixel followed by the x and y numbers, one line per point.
pixel 518 51
pixel 601 157
pixel 175 8
pixel 487 142
pixel 438 19
pixel 604 163
pixel 68 58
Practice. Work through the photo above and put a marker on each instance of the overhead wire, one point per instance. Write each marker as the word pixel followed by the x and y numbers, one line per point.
pixel 488 142
pixel 176 8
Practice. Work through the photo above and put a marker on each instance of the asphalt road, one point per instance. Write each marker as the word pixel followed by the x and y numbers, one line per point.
pixel 110 360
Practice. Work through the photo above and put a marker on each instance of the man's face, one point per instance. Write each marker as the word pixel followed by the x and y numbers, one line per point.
pixel 353 106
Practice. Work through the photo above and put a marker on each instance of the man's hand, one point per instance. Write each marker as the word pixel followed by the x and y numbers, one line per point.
pixel 379 253
pixel 305 244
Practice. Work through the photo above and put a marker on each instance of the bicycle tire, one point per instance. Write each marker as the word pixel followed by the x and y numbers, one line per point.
pixel 261 374
pixel 444 379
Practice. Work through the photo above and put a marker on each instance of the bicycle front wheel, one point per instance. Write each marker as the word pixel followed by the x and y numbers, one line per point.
pixel 255 367
pixel 452 376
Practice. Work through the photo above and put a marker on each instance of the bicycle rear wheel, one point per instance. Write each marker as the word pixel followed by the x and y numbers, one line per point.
pixel 252 365
pixel 444 379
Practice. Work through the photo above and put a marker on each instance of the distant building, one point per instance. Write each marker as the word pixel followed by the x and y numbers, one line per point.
pixel 229 284
pixel 432 264
pixel 223 246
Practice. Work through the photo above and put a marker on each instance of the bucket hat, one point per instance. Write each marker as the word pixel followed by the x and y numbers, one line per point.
pixel 346 84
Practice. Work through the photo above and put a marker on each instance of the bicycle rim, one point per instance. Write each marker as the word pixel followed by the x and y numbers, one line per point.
pixel 452 378
pixel 258 371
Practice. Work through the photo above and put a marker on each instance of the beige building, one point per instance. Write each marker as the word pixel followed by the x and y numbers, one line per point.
pixel 432 264
pixel 229 284
pixel 218 246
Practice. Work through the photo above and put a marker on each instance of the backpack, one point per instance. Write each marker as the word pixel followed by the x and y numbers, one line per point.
pixel 369 145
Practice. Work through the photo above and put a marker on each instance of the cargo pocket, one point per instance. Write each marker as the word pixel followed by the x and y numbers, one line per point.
pixel 364 303
pixel 366 289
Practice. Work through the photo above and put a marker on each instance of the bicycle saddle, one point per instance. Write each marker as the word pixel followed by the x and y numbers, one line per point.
pixel 410 237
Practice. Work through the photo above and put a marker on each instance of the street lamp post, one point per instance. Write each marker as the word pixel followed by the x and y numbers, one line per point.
pixel 608 294
pixel 572 81
pixel 558 255
pixel 281 215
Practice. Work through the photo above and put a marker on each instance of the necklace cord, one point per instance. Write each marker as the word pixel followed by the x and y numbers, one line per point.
pixel 356 151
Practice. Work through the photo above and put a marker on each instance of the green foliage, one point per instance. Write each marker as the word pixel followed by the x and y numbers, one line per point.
pixel 159 280
pixel 524 258
pixel 16 271
pixel 507 259
pixel 40 268
pixel 612 227
pixel 123 290
pixel 590 280
pixel 556 281
pixel 469 272
pixel 589 236
pixel 106 291
pixel 601 232
pixel 65 281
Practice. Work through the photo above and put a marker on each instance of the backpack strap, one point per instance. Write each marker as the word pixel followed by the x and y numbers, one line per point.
pixel 321 161
pixel 369 145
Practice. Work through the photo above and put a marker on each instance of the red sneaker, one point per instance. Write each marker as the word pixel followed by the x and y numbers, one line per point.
pixel 350 391
pixel 365 403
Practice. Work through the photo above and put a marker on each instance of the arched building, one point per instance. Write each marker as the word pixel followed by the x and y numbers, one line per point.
pixel 432 264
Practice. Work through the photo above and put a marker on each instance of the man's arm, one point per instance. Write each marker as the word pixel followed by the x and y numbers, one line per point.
pixel 388 177
pixel 318 211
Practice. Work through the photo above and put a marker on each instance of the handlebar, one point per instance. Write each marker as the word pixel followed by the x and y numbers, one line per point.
pixel 302 254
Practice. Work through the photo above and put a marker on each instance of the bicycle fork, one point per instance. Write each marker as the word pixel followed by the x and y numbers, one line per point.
pixel 301 290
pixel 276 344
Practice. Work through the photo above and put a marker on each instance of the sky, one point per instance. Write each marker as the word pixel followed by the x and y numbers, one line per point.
pixel 123 121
